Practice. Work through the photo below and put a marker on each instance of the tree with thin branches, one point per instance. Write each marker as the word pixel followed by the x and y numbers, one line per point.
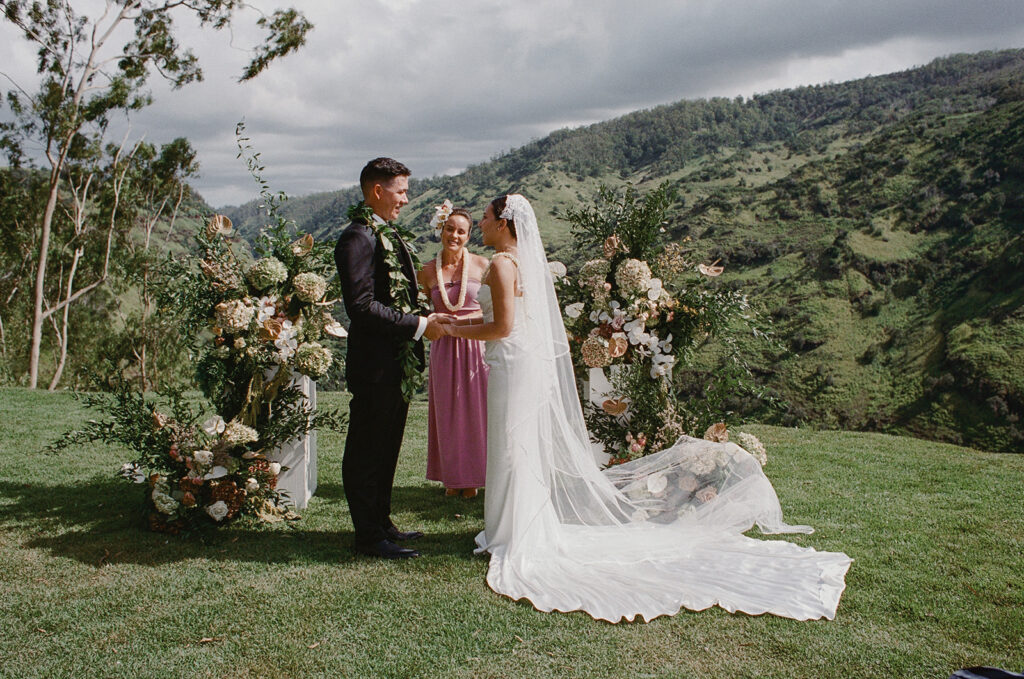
pixel 85 77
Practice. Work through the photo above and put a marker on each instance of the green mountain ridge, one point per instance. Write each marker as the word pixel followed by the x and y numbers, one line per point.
pixel 877 223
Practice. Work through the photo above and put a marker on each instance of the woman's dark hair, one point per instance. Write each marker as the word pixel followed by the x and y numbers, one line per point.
pixel 381 170
pixel 462 212
pixel 497 207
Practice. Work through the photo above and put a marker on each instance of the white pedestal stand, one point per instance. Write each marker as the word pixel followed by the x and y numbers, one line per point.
pixel 299 454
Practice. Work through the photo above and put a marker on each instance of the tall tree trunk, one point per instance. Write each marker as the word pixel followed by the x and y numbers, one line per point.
pixel 44 246
pixel 63 333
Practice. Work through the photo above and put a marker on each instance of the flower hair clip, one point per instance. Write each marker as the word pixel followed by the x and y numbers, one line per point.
pixel 441 214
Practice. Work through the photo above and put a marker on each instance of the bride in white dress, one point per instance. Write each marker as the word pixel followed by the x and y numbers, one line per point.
pixel 632 540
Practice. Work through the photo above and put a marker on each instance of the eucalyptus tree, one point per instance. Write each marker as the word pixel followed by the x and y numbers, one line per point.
pixel 87 72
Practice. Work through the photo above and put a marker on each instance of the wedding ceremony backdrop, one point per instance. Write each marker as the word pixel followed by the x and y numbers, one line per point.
pixel 774 268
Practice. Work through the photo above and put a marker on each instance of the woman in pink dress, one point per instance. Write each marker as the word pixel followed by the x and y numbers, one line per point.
pixel 457 416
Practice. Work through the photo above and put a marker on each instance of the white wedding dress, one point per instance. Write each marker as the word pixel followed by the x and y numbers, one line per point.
pixel 632 540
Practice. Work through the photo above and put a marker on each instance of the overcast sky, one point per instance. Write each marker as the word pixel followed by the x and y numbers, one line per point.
pixel 442 84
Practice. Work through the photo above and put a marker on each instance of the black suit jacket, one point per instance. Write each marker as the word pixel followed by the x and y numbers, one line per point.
pixel 377 329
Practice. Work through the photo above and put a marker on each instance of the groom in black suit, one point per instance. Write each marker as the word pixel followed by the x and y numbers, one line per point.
pixel 373 369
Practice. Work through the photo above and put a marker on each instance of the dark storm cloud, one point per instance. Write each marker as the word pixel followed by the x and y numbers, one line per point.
pixel 443 84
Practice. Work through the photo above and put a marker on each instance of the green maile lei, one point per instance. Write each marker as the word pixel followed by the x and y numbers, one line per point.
pixel 412 377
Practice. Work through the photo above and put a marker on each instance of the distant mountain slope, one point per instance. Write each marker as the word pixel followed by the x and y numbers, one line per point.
pixel 877 221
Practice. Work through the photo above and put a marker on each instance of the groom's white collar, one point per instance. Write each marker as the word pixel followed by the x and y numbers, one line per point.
pixel 378 220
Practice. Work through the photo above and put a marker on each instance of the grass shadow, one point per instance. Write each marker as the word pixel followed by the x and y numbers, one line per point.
pixel 98 522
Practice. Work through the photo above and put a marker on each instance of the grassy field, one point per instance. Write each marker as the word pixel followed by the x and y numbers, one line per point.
pixel 936 531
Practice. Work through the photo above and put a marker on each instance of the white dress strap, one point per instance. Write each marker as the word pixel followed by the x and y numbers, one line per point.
pixel 507 255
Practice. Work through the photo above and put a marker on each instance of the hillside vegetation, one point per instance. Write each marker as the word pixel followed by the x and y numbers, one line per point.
pixel 877 223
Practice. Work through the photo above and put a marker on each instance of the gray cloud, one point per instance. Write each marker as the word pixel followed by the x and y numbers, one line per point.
pixel 442 84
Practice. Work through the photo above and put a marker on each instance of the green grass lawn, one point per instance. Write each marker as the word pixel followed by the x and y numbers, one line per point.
pixel 936 531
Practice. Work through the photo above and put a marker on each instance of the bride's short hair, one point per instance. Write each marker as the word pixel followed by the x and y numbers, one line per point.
pixel 497 207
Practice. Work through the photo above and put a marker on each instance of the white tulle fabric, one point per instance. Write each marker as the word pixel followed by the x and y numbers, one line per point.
pixel 636 539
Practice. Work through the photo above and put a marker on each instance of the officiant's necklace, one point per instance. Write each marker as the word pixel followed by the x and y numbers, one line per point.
pixel 441 284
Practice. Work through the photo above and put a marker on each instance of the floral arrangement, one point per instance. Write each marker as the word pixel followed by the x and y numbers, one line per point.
pixel 638 311
pixel 256 323
pixel 684 489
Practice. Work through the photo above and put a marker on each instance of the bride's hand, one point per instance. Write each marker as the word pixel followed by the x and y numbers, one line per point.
pixel 441 319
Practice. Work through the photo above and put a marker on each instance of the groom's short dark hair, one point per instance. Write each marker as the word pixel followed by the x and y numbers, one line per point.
pixel 381 170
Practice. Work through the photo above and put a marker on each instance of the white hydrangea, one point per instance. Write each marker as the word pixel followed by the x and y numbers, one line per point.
pixel 313 360
pixel 753 445
pixel 309 287
pixel 266 272
pixel 237 434
pixel 164 503
pixel 633 276
pixel 234 315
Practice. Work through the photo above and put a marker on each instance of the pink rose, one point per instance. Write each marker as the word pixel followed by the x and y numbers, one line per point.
pixel 707 494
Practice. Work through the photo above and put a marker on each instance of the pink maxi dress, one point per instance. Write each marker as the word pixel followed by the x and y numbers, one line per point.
pixel 457 414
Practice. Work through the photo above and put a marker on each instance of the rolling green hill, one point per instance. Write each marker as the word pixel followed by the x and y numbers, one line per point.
pixel 877 223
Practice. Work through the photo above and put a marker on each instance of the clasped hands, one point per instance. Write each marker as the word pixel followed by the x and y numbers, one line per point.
pixel 437 325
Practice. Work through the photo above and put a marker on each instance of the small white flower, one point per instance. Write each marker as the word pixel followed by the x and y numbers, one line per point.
pixel 656 483
pixel 574 310
pixel 639 515
pixel 251 485
pixel 266 309
pixel 216 473
pixel 335 329
pixel 275 468
pixel 214 426
pixel 132 472
pixel 203 457
pixel 218 510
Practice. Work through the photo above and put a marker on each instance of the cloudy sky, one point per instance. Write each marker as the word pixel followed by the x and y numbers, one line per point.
pixel 442 84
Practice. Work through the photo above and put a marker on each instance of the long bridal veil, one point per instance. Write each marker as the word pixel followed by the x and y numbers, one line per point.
pixel 643 538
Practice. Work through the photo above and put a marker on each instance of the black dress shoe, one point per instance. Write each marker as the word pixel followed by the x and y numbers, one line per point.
pixel 385 549
pixel 398 536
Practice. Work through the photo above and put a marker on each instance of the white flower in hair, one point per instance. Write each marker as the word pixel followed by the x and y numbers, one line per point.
pixel 441 214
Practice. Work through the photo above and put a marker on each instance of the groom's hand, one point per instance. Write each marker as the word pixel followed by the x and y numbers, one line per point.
pixel 434 329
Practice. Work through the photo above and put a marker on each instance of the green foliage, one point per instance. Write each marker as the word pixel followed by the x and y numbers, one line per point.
pixel 637 221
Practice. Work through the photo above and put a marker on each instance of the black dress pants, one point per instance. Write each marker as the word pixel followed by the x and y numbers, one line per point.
pixel 377 414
